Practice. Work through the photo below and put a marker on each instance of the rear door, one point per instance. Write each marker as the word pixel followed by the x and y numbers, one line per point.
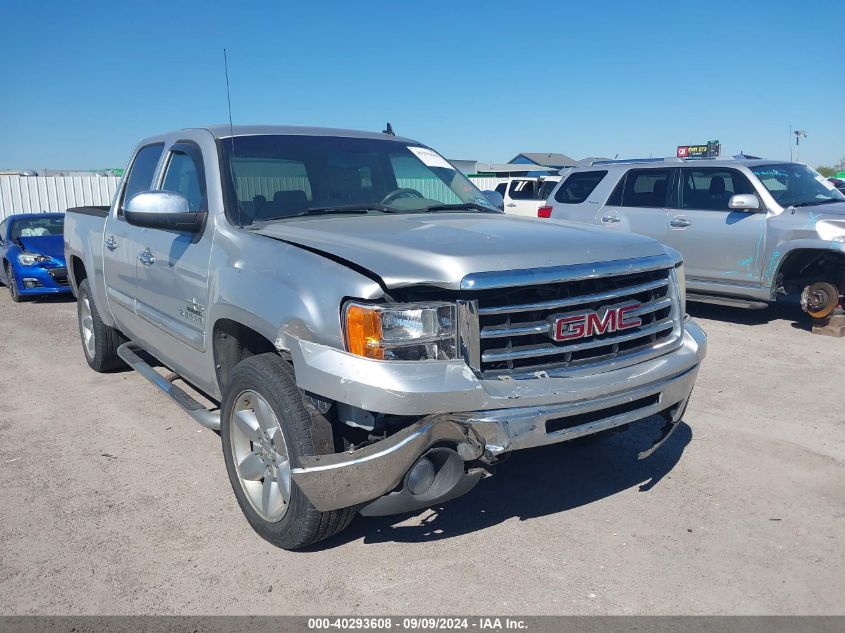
pixel 522 197
pixel 640 203
pixel 719 245
pixel 172 267
pixel 120 248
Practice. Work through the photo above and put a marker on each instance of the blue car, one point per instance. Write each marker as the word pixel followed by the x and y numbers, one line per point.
pixel 32 258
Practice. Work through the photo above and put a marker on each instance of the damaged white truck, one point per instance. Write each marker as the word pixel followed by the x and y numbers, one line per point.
pixel 367 331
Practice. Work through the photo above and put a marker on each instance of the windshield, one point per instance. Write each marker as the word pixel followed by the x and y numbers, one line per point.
pixel 37 227
pixel 275 177
pixel 793 184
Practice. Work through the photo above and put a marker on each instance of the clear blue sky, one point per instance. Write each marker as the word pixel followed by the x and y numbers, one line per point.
pixel 82 82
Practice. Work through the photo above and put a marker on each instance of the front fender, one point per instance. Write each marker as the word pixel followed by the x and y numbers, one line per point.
pixel 281 290
pixel 780 255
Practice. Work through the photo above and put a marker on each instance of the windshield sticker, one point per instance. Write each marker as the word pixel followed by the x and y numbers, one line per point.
pixel 825 182
pixel 430 158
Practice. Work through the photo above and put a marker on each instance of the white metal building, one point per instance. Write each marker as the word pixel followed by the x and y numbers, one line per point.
pixel 37 194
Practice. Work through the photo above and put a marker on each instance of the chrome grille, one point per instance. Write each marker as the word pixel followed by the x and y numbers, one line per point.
pixel 515 322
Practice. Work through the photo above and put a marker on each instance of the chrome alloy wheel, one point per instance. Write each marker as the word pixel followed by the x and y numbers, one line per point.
pixel 86 326
pixel 260 455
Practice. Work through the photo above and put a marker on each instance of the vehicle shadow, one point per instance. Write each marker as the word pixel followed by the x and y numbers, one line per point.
pixel 783 311
pixel 47 299
pixel 534 483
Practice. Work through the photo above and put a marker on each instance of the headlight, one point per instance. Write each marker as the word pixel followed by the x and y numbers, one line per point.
pixel 681 280
pixel 400 331
pixel 30 259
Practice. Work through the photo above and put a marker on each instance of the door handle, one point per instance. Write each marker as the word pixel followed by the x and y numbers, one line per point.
pixel 110 243
pixel 679 223
pixel 610 219
pixel 512 204
pixel 146 258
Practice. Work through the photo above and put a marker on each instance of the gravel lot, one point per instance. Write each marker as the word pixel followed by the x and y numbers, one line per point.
pixel 113 501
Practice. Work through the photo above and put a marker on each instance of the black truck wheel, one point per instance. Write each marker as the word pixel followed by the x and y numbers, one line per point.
pixel 99 341
pixel 265 429
pixel 13 284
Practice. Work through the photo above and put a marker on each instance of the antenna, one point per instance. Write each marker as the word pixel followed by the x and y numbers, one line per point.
pixel 231 136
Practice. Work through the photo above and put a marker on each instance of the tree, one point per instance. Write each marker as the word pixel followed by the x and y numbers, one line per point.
pixel 827 172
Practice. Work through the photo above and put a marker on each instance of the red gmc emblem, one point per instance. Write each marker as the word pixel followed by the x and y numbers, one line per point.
pixel 566 327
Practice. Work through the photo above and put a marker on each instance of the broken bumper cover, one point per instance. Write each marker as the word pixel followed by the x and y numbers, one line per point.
pixel 544 411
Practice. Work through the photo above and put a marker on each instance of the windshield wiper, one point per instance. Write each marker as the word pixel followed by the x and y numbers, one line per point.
pixel 460 207
pixel 349 208
pixel 815 203
pixel 346 208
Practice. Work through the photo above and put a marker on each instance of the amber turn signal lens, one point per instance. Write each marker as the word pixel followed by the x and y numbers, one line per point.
pixel 363 332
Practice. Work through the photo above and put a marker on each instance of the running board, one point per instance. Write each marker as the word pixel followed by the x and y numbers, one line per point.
pixel 730 302
pixel 209 419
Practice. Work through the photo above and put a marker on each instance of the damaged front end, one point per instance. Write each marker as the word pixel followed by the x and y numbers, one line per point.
pixel 443 456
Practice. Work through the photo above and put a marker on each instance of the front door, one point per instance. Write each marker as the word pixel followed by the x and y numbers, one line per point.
pixel 719 245
pixel 120 241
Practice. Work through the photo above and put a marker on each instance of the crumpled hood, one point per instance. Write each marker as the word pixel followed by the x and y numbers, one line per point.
pixel 440 249
pixel 50 245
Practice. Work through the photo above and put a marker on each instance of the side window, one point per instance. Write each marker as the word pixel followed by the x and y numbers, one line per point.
pixel 645 188
pixel 579 186
pixel 183 175
pixel 546 189
pixel 522 190
pixel 501 188
pixel 141 172
pixel 3 226
pixel 711 188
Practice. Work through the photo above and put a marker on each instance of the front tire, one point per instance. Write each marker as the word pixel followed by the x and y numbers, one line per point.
pixel 265 429
pixel 13 285
pixel 99 341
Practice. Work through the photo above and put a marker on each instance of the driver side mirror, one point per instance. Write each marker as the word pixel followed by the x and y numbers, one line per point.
pixel 744 202
pixel 495 199
pixel 166 210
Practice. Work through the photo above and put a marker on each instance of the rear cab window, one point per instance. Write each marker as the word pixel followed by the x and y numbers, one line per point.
pixel 578 186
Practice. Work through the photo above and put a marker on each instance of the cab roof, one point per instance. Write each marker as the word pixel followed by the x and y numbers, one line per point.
pixel 225 131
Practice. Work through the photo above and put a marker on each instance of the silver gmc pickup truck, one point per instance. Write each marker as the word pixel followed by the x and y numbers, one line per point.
pixel 366 330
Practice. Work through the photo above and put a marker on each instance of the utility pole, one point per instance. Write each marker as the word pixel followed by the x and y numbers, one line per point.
pixel 789 142
pixel 799 134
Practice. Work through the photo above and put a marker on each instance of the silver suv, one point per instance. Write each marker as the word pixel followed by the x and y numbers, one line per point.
pixel 748 229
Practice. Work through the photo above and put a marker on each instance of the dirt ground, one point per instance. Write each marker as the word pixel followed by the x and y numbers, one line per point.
pixel 112 501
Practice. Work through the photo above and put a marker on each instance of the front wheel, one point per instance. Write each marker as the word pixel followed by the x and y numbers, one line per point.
pixel 265 429
pixel 13 284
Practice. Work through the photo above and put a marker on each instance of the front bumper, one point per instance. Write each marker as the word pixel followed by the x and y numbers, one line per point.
pixel 481 418
pixel 37 280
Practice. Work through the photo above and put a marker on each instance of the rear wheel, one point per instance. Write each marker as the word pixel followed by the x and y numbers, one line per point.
pixel 265 429
pixel 99 341
pixel 13 284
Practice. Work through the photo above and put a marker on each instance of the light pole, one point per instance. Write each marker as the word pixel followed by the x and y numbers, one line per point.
pixel 799 134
